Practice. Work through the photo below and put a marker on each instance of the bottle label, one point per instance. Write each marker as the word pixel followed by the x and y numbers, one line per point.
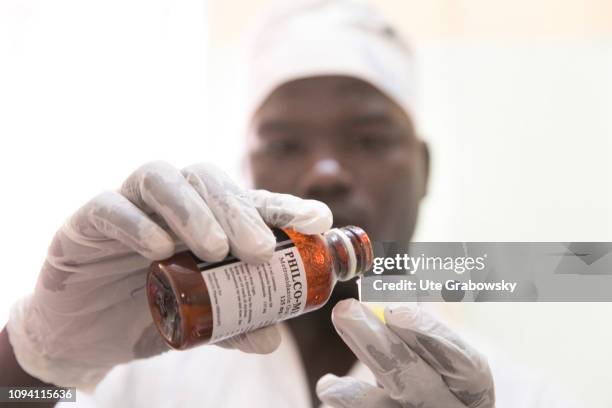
pixel 245 297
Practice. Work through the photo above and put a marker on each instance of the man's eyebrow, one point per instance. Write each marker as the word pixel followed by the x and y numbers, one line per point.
pixel 277 125
pixel 370 119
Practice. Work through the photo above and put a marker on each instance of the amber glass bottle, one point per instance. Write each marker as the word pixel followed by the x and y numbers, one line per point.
pixel 195 302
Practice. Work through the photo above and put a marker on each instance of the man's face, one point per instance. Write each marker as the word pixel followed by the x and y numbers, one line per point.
pixel 341 141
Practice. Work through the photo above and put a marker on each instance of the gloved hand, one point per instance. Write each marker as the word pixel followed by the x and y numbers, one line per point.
pixel 417 361
pixel 89 310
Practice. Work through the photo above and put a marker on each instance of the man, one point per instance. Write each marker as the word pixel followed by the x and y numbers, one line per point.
pixel 330 119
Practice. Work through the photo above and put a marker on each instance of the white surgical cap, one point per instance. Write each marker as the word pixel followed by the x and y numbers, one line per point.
pixel 309 38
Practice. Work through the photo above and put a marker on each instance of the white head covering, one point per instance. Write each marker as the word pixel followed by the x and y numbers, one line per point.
pixel 307 38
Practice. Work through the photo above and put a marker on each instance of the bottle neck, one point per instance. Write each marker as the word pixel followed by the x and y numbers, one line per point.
pixel 351 251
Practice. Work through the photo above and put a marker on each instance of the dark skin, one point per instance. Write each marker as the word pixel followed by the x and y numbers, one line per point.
pixel 341 141
pixel 338 140
pixel 13 375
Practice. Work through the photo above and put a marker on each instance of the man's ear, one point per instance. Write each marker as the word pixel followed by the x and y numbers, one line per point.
pixel 425 163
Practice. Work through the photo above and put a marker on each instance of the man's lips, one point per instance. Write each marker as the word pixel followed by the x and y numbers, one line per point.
pixel 348 216
pixel 347 209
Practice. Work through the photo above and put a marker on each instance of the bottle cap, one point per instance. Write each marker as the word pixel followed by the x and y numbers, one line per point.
pixel 352 249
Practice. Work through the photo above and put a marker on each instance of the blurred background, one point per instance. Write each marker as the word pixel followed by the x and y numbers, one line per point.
pixel 515 101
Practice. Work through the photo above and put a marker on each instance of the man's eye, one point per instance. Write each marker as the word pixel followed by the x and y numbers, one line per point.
pixel 283 147
pixel 371 141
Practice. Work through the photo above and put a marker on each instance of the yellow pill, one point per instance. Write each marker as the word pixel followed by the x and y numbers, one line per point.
pixel 379 307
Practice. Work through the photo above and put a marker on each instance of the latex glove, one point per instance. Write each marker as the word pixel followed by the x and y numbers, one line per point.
pixel 417 361
pixel 89 310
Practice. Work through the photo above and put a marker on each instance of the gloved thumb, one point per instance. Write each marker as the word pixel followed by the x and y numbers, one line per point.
pixel 463 368
pixel 260 341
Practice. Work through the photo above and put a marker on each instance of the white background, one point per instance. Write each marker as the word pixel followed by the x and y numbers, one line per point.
pixel 520 128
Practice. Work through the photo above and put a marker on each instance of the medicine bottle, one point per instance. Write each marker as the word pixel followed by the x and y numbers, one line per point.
pixel 195 302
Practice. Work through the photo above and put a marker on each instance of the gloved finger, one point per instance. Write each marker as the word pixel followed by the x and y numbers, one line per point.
pixel 261 341
pixel 285 210
pixel 115 217
pixel 250 238
pixel 160 188
pixel 464 369
pixel 347 392
pixel 401 372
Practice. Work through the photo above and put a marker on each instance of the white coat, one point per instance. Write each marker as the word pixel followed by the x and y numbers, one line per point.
pixel 214 377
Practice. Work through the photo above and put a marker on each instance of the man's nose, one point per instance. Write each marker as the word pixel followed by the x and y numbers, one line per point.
pixel 325 180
